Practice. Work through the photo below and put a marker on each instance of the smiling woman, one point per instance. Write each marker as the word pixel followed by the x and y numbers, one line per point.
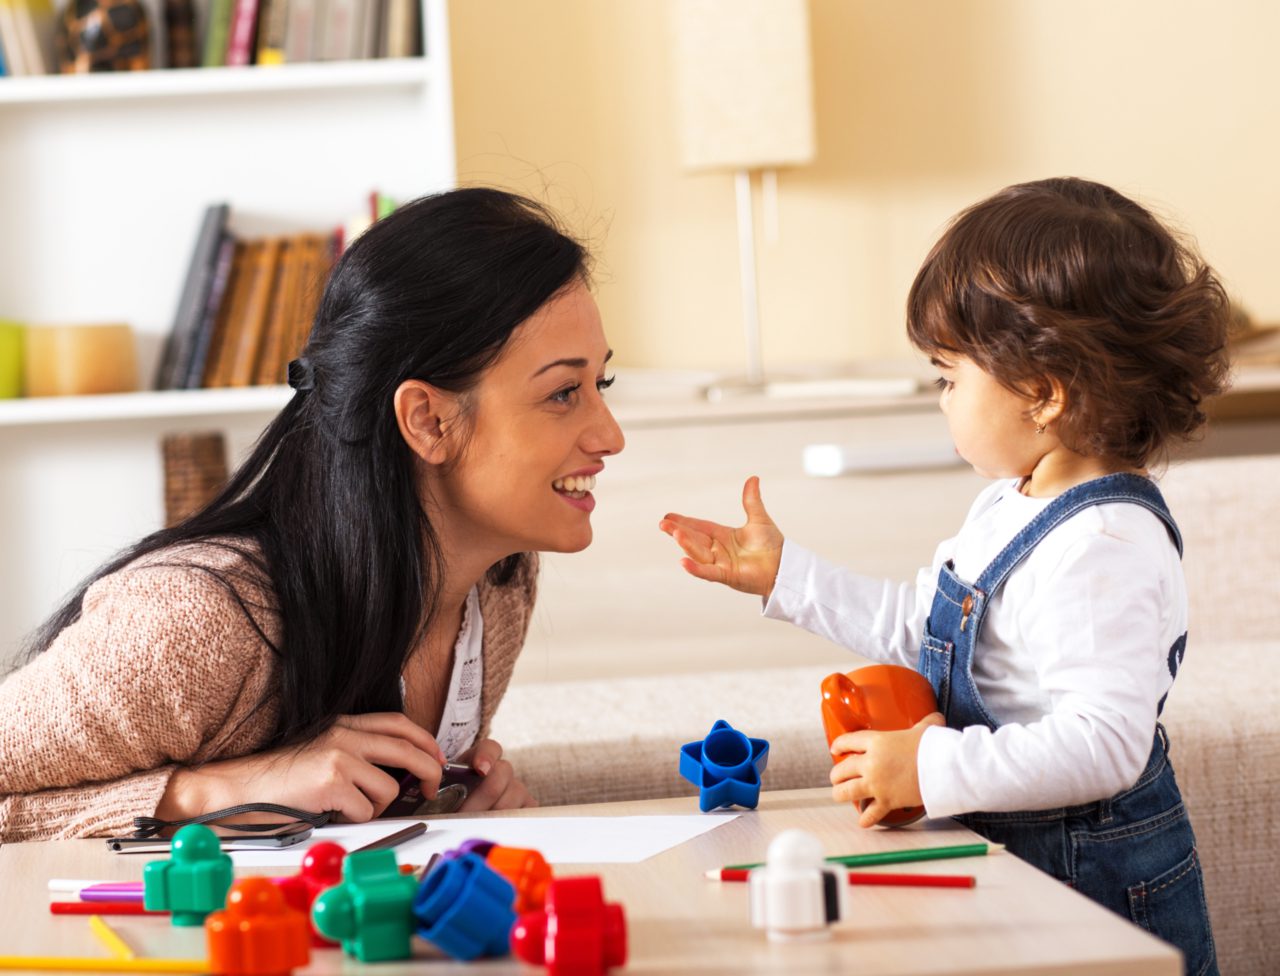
pixel 354 600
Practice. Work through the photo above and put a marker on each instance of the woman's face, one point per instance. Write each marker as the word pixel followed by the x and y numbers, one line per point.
pixel 535 436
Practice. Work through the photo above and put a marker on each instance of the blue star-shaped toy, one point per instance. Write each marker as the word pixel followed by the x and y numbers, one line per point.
pixel 725 767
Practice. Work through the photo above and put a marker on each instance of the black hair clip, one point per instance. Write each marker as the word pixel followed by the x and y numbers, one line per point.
pixel 302 375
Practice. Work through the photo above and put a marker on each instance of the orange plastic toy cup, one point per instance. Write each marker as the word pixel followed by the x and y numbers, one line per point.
pixel 883 697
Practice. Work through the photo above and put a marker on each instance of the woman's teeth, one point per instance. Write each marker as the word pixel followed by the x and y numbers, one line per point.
pixel 575 486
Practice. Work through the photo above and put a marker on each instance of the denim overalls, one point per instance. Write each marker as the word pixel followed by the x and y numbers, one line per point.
pixel 1134 852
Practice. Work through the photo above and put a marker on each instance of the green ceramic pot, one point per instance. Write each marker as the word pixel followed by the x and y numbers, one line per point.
pixel 11 334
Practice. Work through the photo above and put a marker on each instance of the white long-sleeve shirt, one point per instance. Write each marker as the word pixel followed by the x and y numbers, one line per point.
pixel 1073 656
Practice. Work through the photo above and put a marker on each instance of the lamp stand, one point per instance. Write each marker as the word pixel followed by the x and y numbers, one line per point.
pixel 753 382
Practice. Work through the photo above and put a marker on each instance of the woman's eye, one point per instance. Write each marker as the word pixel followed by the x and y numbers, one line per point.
pixel 604 384
pixel 565 395
pixel 942 383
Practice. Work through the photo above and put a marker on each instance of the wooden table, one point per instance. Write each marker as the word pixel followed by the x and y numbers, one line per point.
pixel 1017 920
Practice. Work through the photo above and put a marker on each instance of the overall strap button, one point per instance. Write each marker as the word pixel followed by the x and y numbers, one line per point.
pixel 966 608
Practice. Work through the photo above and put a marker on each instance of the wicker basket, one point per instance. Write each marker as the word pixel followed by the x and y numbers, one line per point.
pixel 195 469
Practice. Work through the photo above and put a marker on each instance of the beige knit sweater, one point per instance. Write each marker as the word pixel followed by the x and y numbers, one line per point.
pixel 161 670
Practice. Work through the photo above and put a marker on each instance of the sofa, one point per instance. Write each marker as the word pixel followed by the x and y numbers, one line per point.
pixel 628 658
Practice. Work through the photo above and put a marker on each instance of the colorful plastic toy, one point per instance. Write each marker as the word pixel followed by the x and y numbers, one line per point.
pixel 258 934
pixel 725 766
pixel 369 912
pixel 528 872
pixel 475 846
pixel 321 870
pixel 576 934
pixel 796 895
pixel 193 882
pixel 465 908
pixel 885 697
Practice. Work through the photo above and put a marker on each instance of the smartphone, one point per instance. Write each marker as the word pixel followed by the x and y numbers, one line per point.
pixel 455 786
pixel 231 839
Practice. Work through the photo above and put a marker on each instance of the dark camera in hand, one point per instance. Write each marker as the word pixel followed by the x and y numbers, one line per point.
pixel 455 786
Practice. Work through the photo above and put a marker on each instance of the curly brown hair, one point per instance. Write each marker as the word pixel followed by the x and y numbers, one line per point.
pixel 1068 282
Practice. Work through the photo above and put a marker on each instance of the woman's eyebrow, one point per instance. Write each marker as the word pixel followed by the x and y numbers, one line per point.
pixel 578 363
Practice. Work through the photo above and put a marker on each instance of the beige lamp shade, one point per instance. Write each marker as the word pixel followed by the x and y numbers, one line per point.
pixel 67 360
pixel 743 83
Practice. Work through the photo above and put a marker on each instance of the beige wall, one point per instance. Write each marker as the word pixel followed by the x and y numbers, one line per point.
pixel 922 107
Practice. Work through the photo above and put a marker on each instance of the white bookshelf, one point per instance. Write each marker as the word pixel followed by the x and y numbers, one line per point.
pixel 103 182
pixel 373 74
pixel 154 405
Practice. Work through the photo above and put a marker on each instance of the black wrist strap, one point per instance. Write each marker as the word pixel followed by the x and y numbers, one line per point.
pixel 144 827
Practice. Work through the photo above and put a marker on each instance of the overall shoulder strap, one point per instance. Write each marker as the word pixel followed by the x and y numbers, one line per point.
pixel 1131 488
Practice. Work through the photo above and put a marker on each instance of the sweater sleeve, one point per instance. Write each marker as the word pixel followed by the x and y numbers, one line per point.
pixel 155 672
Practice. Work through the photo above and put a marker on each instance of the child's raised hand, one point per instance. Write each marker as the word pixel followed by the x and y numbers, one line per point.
pixel 879 767
pixel 745 558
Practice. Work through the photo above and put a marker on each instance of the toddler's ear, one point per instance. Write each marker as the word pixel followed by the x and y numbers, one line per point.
pixel 1051 407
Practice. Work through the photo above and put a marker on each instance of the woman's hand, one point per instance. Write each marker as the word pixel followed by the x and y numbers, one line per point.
pixel 337 771
pixel 745 558
pixel 879 767
pixel 500 790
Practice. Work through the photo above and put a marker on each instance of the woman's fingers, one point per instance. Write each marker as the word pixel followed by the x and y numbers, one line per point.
pixel 490 791
pixel 484 755
pixel 394 724
pixel 375 749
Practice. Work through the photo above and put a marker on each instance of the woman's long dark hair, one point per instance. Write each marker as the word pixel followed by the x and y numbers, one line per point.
pixel 327 505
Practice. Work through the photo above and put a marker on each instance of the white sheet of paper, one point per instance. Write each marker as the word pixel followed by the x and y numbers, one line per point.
pixel 562 840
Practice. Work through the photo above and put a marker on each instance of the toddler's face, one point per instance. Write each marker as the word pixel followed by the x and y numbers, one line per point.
pixel 990 425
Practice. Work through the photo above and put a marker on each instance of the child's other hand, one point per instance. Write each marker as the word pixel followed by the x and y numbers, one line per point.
pixel 745 558
pixel 879 767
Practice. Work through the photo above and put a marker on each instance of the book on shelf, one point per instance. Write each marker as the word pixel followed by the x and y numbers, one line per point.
pixel 26 34
pixel 400 26
pixel 240 42
pixel 236 300
pixel 253 322
pixel 215 357
pixel 299 31
pixel 217 33
pixel 273 21
pixel 203 344
pixel 176 356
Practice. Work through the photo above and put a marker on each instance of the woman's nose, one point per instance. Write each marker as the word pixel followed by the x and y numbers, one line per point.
pixel 603 435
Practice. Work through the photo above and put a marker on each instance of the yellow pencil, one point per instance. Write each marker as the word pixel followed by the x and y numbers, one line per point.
pixel 110 938
pixel 105 965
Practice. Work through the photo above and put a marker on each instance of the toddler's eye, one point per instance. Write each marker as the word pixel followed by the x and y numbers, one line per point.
pixel 942 383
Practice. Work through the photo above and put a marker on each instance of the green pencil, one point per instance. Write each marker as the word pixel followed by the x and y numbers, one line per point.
pixel 897 857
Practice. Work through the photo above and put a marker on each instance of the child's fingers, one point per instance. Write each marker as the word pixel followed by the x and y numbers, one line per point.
pixel 752 503
pixel 712 574
pixel 696 545
pixel 706 527
pixel 851 742
pixel 874 812
pixel 847 768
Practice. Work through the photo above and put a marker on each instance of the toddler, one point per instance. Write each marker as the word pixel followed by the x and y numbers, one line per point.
pixel 1076 339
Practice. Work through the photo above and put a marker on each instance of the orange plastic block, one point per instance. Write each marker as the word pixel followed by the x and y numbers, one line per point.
pixel 528 872
pixel 257 934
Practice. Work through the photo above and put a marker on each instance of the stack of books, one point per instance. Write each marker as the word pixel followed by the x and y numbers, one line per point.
pixel 246 306
pixel 234 33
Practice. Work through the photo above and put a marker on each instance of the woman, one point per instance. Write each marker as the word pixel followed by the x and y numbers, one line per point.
pixel 357 595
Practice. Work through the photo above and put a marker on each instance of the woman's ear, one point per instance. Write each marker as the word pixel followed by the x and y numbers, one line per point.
pixel 425 416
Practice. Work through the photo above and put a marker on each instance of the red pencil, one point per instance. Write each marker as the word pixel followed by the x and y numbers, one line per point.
pixel 872 878
pixel 100 908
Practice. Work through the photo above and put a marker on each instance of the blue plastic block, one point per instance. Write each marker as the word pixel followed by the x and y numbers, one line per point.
pixel 725 767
